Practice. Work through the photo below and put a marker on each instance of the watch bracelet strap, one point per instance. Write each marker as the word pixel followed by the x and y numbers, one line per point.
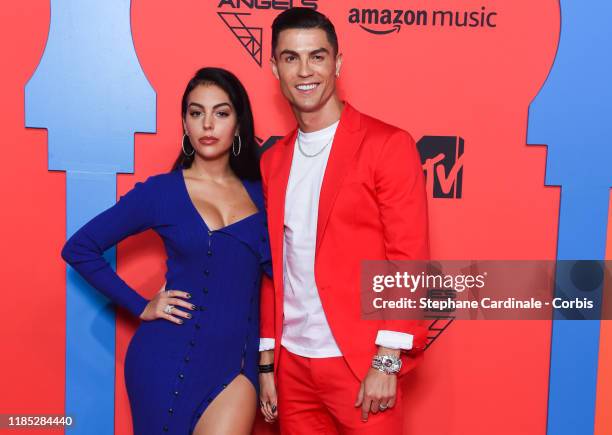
pixel 378 364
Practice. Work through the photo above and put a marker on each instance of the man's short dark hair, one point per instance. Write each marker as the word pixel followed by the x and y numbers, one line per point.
pixel 303 18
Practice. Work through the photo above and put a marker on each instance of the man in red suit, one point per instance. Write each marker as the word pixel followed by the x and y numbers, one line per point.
pixel 341 188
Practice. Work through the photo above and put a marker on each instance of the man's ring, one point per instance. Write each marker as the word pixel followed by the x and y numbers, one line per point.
pixel 383 407
pixel 168 309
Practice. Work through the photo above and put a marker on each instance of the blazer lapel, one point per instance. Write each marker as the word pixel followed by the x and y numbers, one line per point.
pixel 346 142
pixel 277 188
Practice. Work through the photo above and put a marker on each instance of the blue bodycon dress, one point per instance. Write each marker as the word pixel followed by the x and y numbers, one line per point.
pixel 172 372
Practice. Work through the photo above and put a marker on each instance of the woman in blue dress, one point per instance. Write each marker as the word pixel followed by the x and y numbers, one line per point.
pixel 191 367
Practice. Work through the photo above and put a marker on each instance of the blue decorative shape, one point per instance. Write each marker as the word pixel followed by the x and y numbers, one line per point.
pixel 90 320
pixel 91 95
pixel 571 114
pixel 89 90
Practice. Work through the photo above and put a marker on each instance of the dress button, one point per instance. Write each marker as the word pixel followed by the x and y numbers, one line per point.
pixel 181 376
pixel 187 359
pixel 206 272
pixel 176 393
pixel 210 233
pixel 205 290
pixel 165 428
pixel 209 253
pixel 192 342
pixel 170 410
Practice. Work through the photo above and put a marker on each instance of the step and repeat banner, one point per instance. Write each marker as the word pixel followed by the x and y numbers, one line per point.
pixel 509 103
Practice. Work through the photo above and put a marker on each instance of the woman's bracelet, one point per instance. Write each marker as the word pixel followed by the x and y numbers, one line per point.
pixel 266 368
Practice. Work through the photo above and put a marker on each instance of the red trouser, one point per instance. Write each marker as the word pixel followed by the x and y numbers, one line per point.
pixel 317 396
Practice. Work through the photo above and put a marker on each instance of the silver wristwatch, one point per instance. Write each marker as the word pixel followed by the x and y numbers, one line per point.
pixel 387 364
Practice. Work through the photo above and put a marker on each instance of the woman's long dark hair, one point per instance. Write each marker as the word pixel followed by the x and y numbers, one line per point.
pixel 246 164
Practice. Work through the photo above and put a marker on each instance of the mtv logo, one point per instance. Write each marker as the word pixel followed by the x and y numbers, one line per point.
pixel 441 157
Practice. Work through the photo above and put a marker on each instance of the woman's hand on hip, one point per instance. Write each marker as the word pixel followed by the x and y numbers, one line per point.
pixel 157 308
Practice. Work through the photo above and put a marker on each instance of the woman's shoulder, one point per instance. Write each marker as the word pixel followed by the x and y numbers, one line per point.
pixel 156 183
pixel 254 186
pixel 256 190
pixel 160 180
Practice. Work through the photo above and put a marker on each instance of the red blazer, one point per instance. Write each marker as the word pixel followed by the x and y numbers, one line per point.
pixel 372 206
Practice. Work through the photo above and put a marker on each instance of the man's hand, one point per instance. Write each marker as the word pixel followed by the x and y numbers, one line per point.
pixel 378 390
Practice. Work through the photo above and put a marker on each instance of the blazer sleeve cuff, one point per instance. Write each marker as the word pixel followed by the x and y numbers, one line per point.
pixel 394 339
pixel 266 344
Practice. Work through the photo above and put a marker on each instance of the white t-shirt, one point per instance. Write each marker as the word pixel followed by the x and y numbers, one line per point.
pixel 305 328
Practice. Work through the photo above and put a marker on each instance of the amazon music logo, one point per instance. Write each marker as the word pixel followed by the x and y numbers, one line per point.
pixel 240 23
pixel 442 160
pixel 385 21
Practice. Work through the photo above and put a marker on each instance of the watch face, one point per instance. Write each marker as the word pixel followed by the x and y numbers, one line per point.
pixel 387 364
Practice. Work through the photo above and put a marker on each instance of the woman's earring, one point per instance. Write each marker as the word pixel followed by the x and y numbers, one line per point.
pixel 234 152
pixel 183 146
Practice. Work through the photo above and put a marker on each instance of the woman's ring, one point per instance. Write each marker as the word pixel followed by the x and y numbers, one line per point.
pixel 168 309
pixel 382 407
